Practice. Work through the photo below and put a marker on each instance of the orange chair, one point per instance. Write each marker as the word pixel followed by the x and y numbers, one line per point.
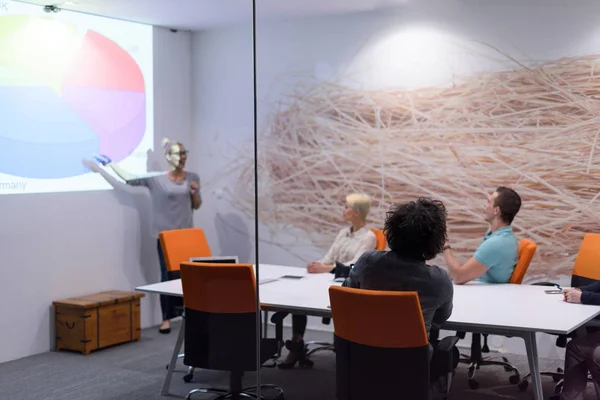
pixel 382 349
pixel 221 325
pixel 526 251
pixel 381 240
pixel 179 245
pixel 585 270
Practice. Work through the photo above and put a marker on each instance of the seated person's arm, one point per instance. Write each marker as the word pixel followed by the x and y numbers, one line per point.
pixel 327 263
pixel 472 269
pixel 589 294
pixel 445 311
pixel 353 280
pixel 590 297
pixel 593 287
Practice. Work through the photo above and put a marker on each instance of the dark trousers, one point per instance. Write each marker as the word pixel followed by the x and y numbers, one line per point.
pixel 299 324
pixel 171 306
pixel 583 355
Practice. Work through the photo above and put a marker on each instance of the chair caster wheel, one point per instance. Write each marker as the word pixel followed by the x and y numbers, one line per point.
pixel 473 384
pixel 167 367
pixel 558 389
pixel 514 379
pixel 188 378
pixel 523 386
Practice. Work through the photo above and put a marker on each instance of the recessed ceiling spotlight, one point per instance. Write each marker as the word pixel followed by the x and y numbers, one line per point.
pixel 51 8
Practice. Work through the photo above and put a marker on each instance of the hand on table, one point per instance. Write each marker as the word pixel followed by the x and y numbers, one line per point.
pixel 316 267
pixel 572 295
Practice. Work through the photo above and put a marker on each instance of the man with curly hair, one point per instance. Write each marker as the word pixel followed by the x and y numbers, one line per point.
pixel 416 233
pixel 496 257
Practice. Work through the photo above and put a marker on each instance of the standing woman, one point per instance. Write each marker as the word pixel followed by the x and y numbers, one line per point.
pixel 175 195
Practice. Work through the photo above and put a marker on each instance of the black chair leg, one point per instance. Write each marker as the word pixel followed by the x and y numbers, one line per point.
pixel 485 348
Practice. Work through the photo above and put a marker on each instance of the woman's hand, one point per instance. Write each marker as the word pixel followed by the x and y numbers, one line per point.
pixel 318 268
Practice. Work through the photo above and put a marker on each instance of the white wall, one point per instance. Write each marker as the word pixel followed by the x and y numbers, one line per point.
pixel 56 246
pixel 328 47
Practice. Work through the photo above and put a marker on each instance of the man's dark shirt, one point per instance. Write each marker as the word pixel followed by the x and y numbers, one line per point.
pixel 385 270
pixel 590 294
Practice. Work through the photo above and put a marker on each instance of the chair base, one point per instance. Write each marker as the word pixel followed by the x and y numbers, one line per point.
pixel 247 393
pixel 474 365
pixel 322 346
pixel 556 377
pixel 476 360
pixel 189 376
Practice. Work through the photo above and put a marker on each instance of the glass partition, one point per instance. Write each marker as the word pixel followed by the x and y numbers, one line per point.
pixel 418 98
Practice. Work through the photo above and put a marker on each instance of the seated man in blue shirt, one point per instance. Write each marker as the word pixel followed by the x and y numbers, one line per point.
pixel 495 259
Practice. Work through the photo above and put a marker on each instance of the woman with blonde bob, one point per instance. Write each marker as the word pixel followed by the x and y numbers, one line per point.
pixel 350 243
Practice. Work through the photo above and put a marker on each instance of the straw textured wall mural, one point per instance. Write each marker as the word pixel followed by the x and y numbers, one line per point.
pixel 532 127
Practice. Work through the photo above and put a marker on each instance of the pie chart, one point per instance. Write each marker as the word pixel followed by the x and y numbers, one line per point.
pixel 65 94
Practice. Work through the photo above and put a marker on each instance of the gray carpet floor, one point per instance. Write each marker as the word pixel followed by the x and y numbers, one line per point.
pixel 135 371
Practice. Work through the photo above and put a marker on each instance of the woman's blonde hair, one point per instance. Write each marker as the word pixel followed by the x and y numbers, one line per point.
pixel 167 145
pixel 359 202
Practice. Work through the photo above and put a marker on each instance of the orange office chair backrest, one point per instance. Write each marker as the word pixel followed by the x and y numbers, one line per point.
pixel 527 250
pixel 179 245
pixel 381 241
pixel 587 264
pixel 219 288
pixel 381 344
pixel 220 316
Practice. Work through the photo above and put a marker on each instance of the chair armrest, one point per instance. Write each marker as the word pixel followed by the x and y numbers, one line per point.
pixel 561 341
pixel 340 270
pixel 445 357
pixel 447 344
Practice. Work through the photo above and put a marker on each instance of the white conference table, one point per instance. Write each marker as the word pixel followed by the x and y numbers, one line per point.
pixel 506 310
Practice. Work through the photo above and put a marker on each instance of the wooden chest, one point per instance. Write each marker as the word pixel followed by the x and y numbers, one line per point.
pixel 96 321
